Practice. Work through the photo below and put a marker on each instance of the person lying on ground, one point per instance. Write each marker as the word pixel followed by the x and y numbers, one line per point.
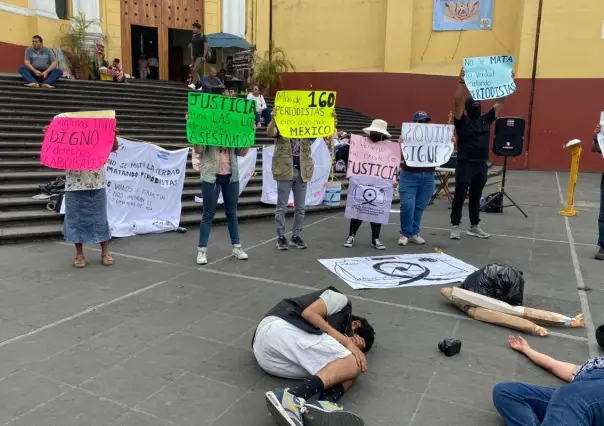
pixel 313 337
pixel 579 403
pixel 595 147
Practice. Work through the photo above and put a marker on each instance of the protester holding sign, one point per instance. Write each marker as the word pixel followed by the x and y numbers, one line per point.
pixel 474 136
pixel 219 170
pixel 293 168
pixel 416 184
pixel 382 164
pixel 596 147
pixel 85 202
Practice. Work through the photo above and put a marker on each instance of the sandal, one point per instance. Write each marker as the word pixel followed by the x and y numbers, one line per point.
pixel 107 259
pixel 79 262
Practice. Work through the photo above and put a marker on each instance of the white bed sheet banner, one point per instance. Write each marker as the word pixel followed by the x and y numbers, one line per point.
pixel 316 188
pixel 144 188
pixel 405 270
pixel 246 167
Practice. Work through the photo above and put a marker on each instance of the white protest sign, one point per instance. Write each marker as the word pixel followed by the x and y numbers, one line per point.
pixel 427 145
pixel 601 134
pixel 403 270
pixel 144 188
pixel 246 167
pixel 489 77
pixel 316 188
pixel 369 199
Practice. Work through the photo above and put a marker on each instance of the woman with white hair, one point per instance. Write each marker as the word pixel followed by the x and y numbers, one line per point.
pixel 377 132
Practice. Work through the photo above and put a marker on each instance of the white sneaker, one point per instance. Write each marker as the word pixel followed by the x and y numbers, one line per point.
pixel 191 86
pixel 455 233
pixel 475 231
pixel 202 255
pixel 417 239
pixel 402 241
pixel 239 253
pixel 349 241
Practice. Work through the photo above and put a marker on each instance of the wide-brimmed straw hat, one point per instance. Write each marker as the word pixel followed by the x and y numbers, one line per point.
pixel 378 126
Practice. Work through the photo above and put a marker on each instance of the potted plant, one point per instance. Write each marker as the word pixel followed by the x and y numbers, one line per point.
pixel 270 68
pixel 76 41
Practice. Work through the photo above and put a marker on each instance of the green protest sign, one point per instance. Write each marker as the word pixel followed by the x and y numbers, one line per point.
pixel 220 121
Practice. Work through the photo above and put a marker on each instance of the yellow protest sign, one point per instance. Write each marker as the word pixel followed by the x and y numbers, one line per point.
pixel 305 114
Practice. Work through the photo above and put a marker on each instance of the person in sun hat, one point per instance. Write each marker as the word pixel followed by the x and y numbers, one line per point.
pixel 376 132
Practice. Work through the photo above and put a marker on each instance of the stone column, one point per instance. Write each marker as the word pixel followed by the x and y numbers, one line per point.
pixel 44 8
pixel 91 10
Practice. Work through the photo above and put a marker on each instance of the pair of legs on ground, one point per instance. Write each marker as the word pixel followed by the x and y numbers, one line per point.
pixel 210 194
pixel 579 403
pixel 327 368
pixel 85 222
pixel 600 254
pixel 376 228
pixel 470 176
pixel 32 79
pixel 284 187
pixel 415 190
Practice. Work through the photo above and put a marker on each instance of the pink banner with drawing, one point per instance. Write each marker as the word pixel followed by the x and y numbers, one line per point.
pixel 374 159
pixel 78 143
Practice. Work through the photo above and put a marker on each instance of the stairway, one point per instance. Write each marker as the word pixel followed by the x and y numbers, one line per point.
pixel 148 111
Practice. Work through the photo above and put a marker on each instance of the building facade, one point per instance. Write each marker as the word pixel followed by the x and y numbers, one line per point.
pixel 384 59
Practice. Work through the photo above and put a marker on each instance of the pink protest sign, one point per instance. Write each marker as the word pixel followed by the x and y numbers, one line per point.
pixel 78 143
pixel 375 159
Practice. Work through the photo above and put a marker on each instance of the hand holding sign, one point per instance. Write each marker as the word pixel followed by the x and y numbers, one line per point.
pixel 305 114
pixel 220 121
pixel 489 77
pixel 74 143
pixel 600 134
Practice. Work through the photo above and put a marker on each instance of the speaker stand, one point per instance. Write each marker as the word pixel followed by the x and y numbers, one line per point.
pixel 501 194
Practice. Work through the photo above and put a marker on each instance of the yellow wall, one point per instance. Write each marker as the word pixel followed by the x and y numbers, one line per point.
pixel 212 16
pixel 111 26
pixel 397 36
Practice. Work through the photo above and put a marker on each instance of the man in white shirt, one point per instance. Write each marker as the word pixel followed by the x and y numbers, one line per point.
pixel 313 337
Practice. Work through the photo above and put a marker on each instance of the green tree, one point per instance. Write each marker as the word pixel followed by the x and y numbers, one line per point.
pixel 270 68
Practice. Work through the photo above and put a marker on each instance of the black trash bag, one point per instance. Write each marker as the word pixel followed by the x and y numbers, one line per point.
pixel 501 282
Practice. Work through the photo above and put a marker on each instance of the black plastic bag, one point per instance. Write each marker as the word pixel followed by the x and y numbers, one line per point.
pixel 501 282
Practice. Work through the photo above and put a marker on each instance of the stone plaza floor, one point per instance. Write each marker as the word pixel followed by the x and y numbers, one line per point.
pixel 156 340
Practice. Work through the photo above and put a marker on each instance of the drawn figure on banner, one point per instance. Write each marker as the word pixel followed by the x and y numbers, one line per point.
pixel 399 270
pixel 462 15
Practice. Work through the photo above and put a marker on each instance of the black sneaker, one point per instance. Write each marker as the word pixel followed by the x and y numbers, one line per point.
pixel 282 243
pixel 600 254
pixel 297 242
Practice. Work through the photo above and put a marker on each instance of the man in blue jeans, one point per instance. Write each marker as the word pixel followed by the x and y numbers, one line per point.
pixel 600 254
pixel 579 403
pixel 416 185
pixel 40 65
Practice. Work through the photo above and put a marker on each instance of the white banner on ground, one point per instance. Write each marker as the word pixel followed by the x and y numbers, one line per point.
pixel 427 145
pixel 247 168
pixel 144 188
pixel 369 199
pixel 403 270
pixel 315 192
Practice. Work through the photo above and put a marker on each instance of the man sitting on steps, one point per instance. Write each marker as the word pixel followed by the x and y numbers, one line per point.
pixel 313 337
pixel 40 65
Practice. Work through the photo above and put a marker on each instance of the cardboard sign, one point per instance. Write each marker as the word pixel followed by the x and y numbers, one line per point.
pixel 601 134
pixel 374 159
pixel 369 199
pixel 305 114
pixel 220 121
pixel 489 77
pixel 78 143
pixel 427 145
